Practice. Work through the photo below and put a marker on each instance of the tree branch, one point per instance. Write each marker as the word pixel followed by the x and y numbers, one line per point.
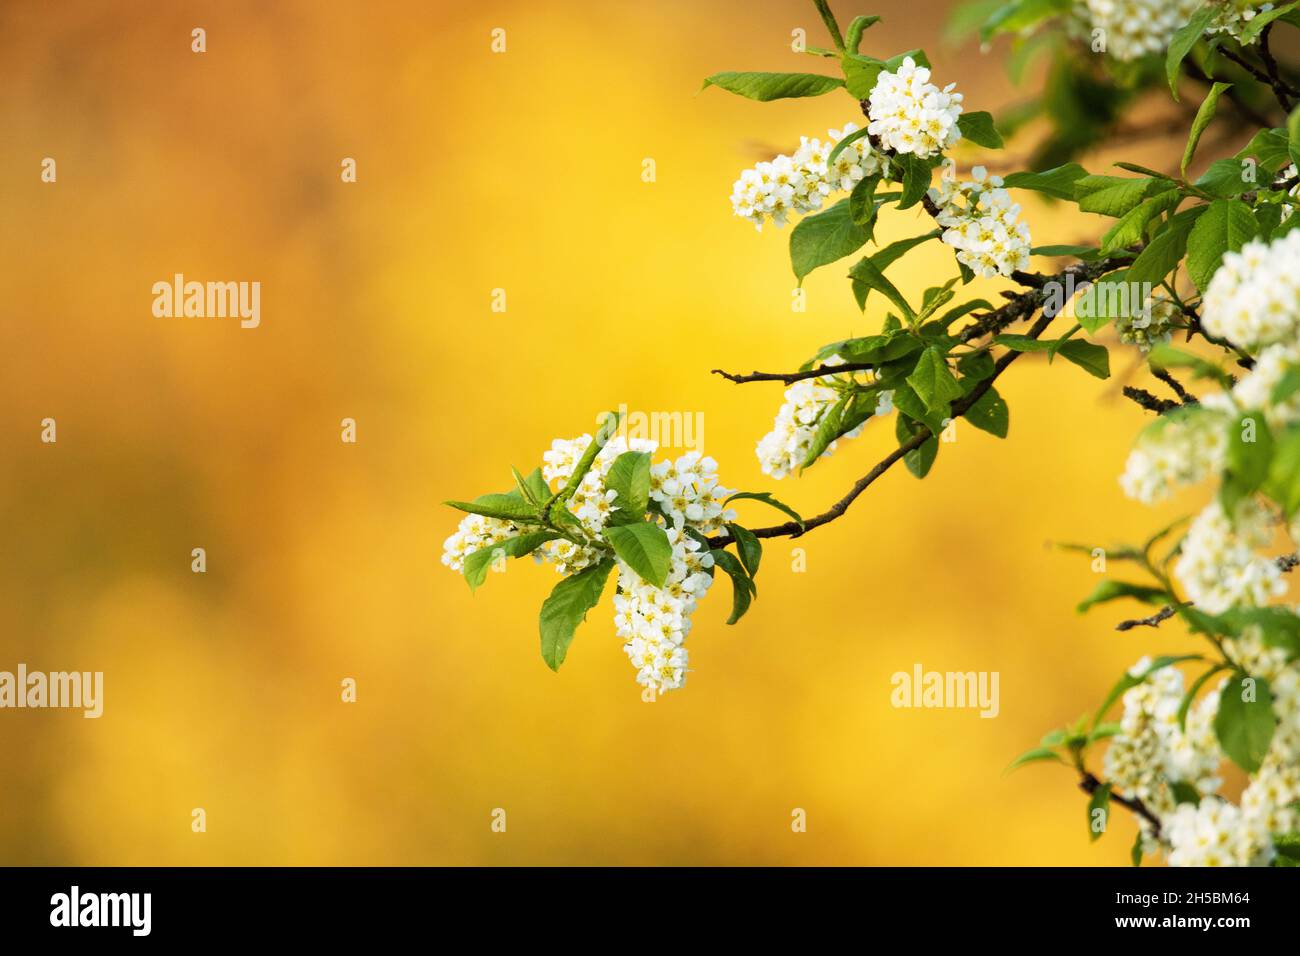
pixel 1148 401
pixel 1021 306
pixel 1089 784
pixel 1164 614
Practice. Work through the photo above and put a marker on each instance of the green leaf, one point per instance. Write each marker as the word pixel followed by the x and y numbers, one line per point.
pixel 1135 853
pixel 933 381
pixel 979 129
pixel 1023 343
pixel 1245 728
pixel 742 588
pixel 1115 195
pixel 503 507
pixel 1034 755
pixel 822 238
pixel 1250 452
pixel 1293 135
pixel 1278 627
pixel 1131 227
pixel 477 564
pixel 629 479
pixel 916 179
pixel 1287 845
pixel 1227 178
pixel 990 414
pixel 844 142
pixel 767 499
pixel 866 272
pixel 1225 226
pixel 645 549
pixel 1058 182
pixel 976 366
pixel 1283 484
pixel 1251 30
pixel 1019 15
pixel 1166 250
pixel 1103 731
pixel 567 607
pixel 1109 590
pixel 862 203
pixel 535 488
pixel 1183 40
pixel 1203 117
pixel 919 460
pixel 1189 698
pixel 829 428
pixel 1270 147
pixel 1100 802
pixel 603 435
pixel 907 402
pixel 1057 252
pixel 860 73
pixel 880 261
pixel 748 547
pixel 853 38
pixel 773 86
pixel 1089 356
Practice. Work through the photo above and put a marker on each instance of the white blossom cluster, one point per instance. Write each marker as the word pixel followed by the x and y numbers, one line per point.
pixel 1151 755
pixel 653 622
pixel 1233 15
pixel 909 114
pixel 688 492
pixel 1178 450
pixel 474 533
pixel 1151 752
pixel 782 451
pixel 1132 29
pixel 1254 298
pixel 1149 327
pixel 1251 302
pixel 1219 833
pixel 1219 565
pixel 800 183
pixel 982 223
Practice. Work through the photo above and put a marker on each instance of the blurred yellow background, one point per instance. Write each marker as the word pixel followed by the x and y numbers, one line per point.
pixel 477 171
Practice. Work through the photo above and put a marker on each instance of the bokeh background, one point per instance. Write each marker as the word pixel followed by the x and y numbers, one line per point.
pixel 478 171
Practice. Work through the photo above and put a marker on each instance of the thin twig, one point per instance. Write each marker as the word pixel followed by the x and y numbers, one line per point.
pixel 1164 614
pixel 1148 401
pixel 1089 785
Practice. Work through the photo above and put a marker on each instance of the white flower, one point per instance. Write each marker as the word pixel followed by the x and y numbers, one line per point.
pixel 795 185
pixel 1176 450
pixel 688 492
pixel 1218 565
pixel 654 621
pixel 782 450
pixel 983 224
pixel 909 114
pixel 1135 28
pixel 1254 391
pixel 1254 298
pixel 1149 327
pixel 1214 834
pixel 474 533
pixel 1233 16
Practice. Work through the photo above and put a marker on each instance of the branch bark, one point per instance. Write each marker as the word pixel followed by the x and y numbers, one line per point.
pixel 1021 306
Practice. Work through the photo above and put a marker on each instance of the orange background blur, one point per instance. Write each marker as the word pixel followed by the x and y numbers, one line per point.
pixel 476 171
